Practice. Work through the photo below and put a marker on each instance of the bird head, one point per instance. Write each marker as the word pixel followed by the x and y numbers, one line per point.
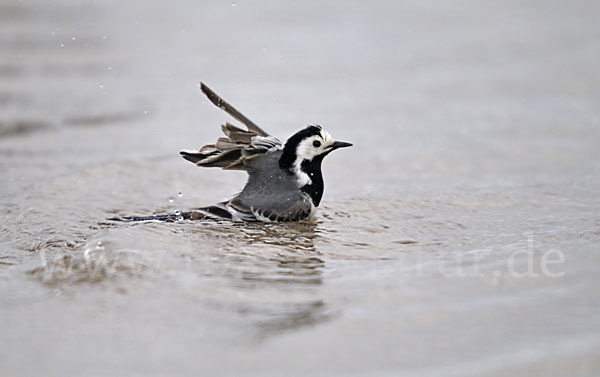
pixel 308 144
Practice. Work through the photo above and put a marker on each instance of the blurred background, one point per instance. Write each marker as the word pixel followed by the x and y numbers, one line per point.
pixel 475 127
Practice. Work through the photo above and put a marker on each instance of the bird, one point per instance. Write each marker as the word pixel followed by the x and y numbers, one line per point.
pixel 285 181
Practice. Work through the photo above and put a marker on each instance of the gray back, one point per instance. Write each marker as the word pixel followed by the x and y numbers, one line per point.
pixel 269 187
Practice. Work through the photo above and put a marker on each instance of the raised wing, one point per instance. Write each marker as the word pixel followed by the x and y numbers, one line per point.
pixel 220 102
pixel 239 146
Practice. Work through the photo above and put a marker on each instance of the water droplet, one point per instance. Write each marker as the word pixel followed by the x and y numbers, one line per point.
pixel 145 111
pixel 170 200
pixel 73 38
pixel 62 45
pixel 177 213
pixel 101 86
pixel 99 243
pixel 104 37
pixel 233 4
pixel 180 194
pixel 109 68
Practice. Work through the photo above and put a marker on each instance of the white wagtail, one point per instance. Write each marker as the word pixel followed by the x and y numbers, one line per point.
pixel 285 182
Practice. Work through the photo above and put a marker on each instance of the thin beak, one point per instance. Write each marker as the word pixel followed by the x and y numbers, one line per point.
pixel 340 144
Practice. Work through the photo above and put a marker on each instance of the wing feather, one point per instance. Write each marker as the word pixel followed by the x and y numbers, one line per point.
pixel 220 102
pixel 233 151
pixel 298 210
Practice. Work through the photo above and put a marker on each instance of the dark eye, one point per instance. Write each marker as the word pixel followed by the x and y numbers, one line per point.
pixel 316 143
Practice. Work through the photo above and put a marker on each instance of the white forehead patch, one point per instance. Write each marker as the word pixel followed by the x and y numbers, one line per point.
pixel 327 138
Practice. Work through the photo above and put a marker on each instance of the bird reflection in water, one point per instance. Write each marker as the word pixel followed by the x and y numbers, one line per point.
pixel 290 252
pixel 280 268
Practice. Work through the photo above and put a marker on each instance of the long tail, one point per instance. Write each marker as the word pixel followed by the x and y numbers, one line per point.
pixel 170 218
pixel 216 212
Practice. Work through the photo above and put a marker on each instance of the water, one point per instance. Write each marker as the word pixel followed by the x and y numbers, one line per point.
pixel 458 237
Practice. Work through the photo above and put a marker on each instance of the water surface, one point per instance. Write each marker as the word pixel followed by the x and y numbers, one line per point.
pixel 458 237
